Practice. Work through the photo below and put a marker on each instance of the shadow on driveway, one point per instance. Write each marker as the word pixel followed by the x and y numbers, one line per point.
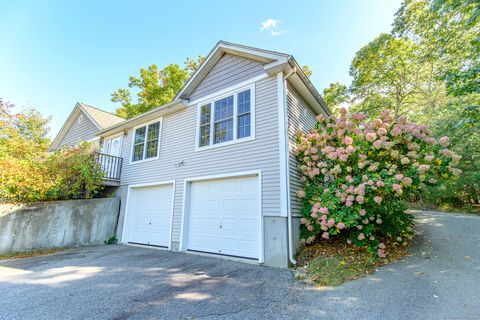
pixel 440 280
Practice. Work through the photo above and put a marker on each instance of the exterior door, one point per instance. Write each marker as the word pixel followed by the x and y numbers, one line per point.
pixel 150 215
pixel 224 217
pixel 113 147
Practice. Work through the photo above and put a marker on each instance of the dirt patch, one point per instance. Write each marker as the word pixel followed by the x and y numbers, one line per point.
pixel 333 262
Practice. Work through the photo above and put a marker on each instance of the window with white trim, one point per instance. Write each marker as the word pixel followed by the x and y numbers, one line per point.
pixel 145 142
pixel 226 119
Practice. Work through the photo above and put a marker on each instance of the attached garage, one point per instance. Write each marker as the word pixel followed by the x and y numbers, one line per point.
pixel 149 215
pixel 223 216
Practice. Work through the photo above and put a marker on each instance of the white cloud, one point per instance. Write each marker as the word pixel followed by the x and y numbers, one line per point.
pixel 277 33
pixel 272 25
pixel 269 24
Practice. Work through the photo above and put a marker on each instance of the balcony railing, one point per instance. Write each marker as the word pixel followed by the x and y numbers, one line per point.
pixel 111 167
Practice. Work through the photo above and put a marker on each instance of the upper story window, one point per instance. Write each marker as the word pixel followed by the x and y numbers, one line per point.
pixel 226 119
pixel 146 142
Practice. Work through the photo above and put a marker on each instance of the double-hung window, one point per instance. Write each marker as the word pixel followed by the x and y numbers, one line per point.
pixel 146 142
pixel 225 119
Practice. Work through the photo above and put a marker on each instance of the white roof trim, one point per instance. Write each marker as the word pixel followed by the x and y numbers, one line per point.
pixel 218 51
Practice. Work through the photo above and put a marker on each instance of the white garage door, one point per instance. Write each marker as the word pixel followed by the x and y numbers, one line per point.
pixel 150 214
pixel 224 217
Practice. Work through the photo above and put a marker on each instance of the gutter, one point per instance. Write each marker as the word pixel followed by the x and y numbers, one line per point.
pixel 289 211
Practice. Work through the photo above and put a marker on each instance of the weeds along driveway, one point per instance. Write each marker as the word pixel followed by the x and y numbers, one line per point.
pixel 440 280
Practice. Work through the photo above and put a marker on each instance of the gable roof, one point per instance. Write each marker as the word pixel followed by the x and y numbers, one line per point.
pixel 101 119
pixel 274 62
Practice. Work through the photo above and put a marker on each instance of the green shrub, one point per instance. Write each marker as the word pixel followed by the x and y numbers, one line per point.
pixel 358 174
pixel 69 173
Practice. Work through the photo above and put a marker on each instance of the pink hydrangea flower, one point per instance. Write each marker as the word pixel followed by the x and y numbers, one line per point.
pixel 377 199
pixel 359 227
pixel 347 140
pixel 361 237
pixel 341 225
pixel 360 199
pixel 381 253
pixel 300 194
pixel 363 212
pixel 349 203
pixel 325 235
pixel 444 141
pixel 380 183
pixel 371 136
pixel 399 177
pixel 323 210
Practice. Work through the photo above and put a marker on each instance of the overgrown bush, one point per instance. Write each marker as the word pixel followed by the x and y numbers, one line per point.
pixel 69 173
pixel 359 172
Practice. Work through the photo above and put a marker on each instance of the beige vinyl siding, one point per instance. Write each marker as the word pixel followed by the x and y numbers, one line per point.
pixel 79 132
pixel 300 116
pixel 177 143
pixel 228 71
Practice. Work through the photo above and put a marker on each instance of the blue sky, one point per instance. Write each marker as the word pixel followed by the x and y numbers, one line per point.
pixel 55 53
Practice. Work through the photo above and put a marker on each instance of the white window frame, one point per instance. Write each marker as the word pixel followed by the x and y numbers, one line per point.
pixel 211 101
pixel 160 120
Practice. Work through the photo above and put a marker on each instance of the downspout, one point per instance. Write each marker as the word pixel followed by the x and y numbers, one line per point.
pixel 289 211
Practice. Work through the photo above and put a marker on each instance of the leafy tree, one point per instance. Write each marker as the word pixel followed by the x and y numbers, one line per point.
pixel 308 72
pixel 335 95
pixel 23 134
pixel 447 31
pixel 155 87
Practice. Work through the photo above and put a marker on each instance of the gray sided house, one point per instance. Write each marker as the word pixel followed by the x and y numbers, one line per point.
pixel 213 171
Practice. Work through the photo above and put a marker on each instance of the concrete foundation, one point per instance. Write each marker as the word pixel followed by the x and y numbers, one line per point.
pixel 57 224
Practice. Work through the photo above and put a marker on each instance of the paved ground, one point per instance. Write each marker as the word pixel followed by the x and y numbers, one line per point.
pixel 441 280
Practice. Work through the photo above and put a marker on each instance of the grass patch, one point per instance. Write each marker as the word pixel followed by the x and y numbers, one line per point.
pixel 29 254
pixel 333 262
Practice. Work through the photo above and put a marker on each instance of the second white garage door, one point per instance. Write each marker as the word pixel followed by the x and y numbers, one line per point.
pixel 224 217
pixel 150 215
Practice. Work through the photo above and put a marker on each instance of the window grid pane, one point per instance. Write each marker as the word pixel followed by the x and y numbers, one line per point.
pixel 152 140
pixel 223 131
pixel 243 114
pixel 223 120
pixel 243 126
pixel 205 117
pixel 138 144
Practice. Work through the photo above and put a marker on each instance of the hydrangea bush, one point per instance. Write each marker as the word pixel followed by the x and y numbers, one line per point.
pixel 359 172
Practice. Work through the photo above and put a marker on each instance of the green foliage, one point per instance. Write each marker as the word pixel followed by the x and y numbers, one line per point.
pixel 23 134
pixel 155 87
pixel 428 69
pixel 76 173
pixel 335 95
pixel 308 72
pixel 111 240
pixel 447 31
pixel 69 173
pixel 358 174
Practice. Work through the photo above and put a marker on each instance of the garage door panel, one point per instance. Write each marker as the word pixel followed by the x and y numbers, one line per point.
pixel 228 223
pixel 150 215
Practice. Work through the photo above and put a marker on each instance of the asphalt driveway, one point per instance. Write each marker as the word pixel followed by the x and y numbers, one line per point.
pixel 440 280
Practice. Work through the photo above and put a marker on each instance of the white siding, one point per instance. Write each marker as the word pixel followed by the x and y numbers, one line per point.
pixel 228 71
pixel 300 116
pixel 79 132
pixel 178 143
